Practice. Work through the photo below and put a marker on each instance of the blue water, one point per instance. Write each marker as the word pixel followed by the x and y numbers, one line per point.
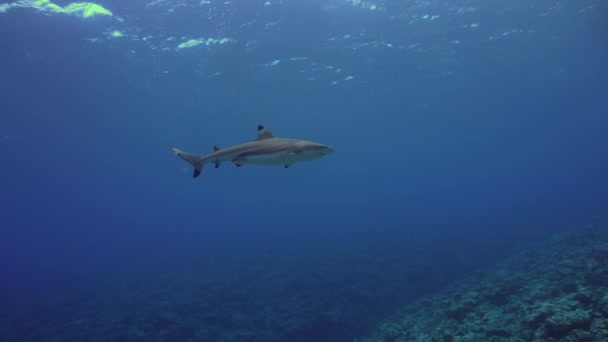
pixel 467 123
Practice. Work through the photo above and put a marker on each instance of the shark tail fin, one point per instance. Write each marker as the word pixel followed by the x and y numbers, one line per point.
pixel 196 160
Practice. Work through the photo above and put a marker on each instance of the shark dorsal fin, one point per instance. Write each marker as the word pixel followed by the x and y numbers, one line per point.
pixel 263 133
pixel 215 148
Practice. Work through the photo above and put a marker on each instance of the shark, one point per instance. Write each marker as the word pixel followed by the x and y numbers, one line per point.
pixel 266 149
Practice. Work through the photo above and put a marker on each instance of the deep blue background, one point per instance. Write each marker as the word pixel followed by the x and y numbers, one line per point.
pixel 483 138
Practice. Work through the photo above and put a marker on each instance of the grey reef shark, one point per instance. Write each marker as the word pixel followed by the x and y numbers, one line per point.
pixel 265 150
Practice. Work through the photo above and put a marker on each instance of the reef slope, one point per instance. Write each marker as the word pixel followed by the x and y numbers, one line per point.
pixel 551 291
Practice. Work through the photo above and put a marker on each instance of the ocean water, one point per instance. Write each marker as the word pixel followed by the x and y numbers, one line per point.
pixel 461 130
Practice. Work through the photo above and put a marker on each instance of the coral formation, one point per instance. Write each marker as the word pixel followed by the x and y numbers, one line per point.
pixel 555 291
pixel 332 296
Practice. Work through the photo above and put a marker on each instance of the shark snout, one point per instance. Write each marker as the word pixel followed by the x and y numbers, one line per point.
pixel 327 150
pixel 320 149
pixel 314 151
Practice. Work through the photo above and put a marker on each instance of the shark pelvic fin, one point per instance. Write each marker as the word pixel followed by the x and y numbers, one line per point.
pixel 263 133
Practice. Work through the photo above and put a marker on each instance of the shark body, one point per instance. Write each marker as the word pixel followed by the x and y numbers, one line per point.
pixel 265 150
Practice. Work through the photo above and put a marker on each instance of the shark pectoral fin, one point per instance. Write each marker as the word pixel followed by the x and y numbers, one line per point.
pixel 239 162
pixel 288 165
pixel 216 162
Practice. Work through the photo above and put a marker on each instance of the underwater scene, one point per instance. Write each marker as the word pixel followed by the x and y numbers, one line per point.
pixel 304 170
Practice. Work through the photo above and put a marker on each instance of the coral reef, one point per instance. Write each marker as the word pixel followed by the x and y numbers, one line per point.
pixel 554 291
pixel 332 296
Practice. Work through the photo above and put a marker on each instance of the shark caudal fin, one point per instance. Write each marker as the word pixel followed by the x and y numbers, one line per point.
pixel 196 160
